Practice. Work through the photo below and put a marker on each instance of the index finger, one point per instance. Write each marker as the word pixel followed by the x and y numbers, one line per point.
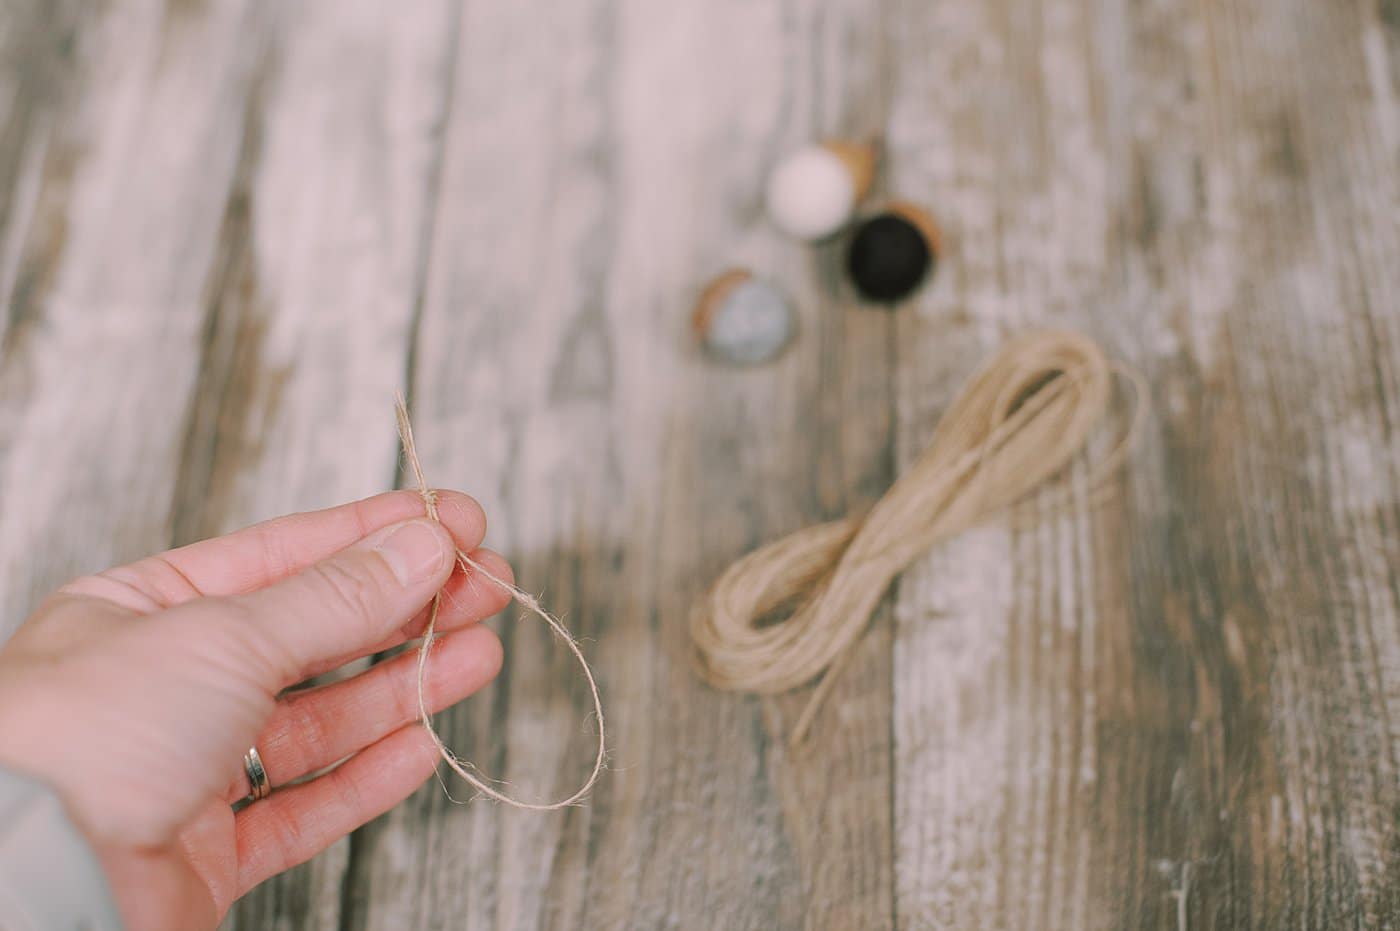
pixel 256 557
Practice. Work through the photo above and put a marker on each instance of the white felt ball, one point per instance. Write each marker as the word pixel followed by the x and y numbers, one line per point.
pixel 811 193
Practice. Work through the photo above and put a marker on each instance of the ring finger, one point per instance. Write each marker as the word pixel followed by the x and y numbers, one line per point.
pixel 316 728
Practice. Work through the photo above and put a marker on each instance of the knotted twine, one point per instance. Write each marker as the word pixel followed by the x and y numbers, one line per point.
pixel 1020 420
pixel 459 766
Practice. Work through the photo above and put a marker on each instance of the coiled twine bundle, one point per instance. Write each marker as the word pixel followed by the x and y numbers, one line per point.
pixel 1020 420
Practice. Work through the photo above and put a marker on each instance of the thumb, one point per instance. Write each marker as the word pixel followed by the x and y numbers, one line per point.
pixel 348 603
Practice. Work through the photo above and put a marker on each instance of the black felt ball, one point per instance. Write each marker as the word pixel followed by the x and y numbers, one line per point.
pixel 888 258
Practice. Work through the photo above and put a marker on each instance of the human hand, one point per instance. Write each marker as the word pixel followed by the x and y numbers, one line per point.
pixel 136 692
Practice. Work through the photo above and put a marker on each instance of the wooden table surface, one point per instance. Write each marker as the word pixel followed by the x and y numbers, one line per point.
pixel 230 229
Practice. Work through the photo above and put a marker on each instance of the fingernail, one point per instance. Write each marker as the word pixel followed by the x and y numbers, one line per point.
pixel 414 551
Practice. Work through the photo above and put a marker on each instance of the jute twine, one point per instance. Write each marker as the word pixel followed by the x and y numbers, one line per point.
pixel 1019 421
pixel 459 766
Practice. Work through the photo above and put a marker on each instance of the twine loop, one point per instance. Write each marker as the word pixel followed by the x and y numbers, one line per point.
pixel 459 766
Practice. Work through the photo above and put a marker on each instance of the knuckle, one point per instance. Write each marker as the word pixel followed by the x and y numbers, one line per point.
pixel 305 741
pixel 348 793
pixel 270 543
pixel 119 586
pixel 290 840
pixel 403 688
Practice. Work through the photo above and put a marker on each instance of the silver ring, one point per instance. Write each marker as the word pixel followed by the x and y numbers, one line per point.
pixel 257 775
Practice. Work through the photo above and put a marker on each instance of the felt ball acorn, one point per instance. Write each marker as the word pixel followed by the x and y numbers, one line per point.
pixel 813 192
pixel 891 253
pixel 742 319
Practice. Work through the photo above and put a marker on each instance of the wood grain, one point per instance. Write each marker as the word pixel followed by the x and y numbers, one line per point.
pixel 547 384
pixel 556 303
pixel 113 220
pixel 1174 711
pixel 230 229
pixel 312 300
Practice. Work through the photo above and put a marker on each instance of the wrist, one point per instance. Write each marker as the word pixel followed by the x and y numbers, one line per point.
pixel 50 876
pixel 30 748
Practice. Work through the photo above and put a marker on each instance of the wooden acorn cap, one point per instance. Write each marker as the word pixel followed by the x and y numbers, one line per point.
pixel 859 158
pixel 922 221
pixel 713 297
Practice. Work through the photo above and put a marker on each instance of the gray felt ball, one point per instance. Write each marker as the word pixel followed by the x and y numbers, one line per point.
pixel 744 320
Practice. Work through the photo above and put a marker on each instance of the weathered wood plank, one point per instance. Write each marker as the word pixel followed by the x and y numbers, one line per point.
pixel 1174 711
pixel 597 172
pixel 519 249
pixel 37 45
pixel 312 300
pixel 104 300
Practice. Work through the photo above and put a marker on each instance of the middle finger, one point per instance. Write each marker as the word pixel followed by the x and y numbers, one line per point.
pixel 466 599
pixel 319 727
